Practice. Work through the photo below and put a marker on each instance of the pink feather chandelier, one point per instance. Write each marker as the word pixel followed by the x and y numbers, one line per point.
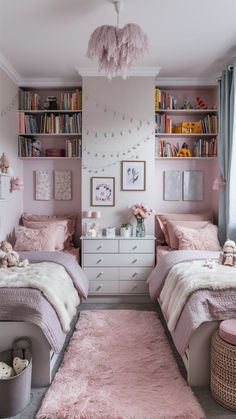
pixel 117 49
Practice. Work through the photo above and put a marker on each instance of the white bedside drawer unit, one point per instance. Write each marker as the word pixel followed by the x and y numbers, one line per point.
pixel 118 266
pixel 100 246
pixel 136 246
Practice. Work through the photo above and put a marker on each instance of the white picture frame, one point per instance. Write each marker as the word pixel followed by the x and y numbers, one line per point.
pixel 172 185
pixel 133 175
pixel 193 185
pixel 102 191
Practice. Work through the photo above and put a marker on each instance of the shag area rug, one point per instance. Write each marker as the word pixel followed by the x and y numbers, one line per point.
pixel 118 365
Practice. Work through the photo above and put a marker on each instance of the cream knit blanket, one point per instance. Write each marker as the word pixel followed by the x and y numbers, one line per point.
pixel 54 283
pixel 188 277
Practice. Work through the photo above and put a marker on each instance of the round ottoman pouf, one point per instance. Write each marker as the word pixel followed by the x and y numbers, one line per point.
pixel 227 331
pixel 223 372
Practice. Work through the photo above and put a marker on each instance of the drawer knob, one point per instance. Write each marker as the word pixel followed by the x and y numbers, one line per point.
pixel 134 274
pixel 99 247
pixel 99 287
pixel 100 274
pixel 135 260
pixel 135 287
pixel 99 260
pixel 135 247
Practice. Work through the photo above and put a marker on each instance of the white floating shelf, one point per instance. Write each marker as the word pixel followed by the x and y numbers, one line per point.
pixel 187 111
pixel 49 158
pixel 212 134
pixel 52 111
pixel 186 158
pixel 50 135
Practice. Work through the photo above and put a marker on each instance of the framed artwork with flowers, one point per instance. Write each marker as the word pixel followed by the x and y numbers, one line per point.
pixel 102 191
pixel 133 175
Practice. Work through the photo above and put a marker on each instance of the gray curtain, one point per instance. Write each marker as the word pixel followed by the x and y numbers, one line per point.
pixel 227 154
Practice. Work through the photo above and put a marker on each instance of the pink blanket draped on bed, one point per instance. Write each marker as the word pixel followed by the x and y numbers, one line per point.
pixel 29 305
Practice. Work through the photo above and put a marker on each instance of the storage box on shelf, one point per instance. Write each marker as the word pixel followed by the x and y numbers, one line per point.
pixel 50 124
pixel 186 115
pixel 118 265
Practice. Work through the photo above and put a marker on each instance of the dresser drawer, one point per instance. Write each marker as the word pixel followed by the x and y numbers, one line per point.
pixel 103 287
pixel 100 246
pixel 105 274
pixel 133 287
pixel 91 260
pixel 137 274
pixel 136 246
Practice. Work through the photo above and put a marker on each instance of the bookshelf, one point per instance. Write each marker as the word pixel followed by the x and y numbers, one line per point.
pixel 50 124
pixel 186 116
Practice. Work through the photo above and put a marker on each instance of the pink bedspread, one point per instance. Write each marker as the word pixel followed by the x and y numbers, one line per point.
pixel 202 306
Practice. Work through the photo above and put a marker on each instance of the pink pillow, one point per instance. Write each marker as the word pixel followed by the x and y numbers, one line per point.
pixel 71 221
pixel 161 220
pixel 60 230
pixel 173 241
pixel 205 238
pixel 36 239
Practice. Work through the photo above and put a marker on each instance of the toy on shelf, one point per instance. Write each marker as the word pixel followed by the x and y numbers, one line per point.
pixel 184 151
pixel 4 163
pixel 187 105
pixel 201 104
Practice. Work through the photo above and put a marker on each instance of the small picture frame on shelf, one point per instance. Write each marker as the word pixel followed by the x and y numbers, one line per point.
pixel 102 191
pixel 133 175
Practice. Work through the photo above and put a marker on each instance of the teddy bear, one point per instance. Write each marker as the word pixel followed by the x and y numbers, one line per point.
pixel 228 255
pixel 184 151
pixel 9 258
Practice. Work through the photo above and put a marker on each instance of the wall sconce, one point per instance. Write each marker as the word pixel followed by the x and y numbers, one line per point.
pixel 218 184
pixel 17 184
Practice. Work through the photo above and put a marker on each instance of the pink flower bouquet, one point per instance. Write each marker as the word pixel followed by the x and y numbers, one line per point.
pixel 141 211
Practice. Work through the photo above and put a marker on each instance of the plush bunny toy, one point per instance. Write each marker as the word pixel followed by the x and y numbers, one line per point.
pixel 228 256
pixel 9 258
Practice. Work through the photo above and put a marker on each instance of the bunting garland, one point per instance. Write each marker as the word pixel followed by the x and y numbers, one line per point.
pixel 12 105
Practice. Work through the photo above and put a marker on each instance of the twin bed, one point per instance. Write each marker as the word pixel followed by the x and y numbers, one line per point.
pixel 41 300
pixel 194 293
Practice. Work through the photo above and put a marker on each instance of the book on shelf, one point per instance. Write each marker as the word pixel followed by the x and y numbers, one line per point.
pixel 73 147
pixel 163 100
pixel 163 124
pixel 71 100
pixel 209 124
pixel 165 149
pixel 50 123
pixel 205 148
pixel 29 147
pixel 29 101
pixel 32 147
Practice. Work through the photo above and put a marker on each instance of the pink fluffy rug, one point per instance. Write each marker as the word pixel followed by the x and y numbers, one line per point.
pixel 118 365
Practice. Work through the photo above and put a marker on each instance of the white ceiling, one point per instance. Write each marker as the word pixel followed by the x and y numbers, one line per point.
pixel 48 38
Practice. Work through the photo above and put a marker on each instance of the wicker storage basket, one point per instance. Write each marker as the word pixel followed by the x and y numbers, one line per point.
pixel 223 372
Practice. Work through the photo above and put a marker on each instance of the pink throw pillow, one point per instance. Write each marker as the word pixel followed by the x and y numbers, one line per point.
pixel 161 220
pixel 42 239
pixel 60 230
pixel 173 241
pixel 71 221
pixel 205 238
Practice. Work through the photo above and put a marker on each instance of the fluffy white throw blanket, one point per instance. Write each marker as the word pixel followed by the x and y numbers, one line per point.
pixel 188 277
pixel 52 280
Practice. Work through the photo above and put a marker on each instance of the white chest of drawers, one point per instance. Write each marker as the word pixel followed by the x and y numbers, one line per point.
pixel 118 265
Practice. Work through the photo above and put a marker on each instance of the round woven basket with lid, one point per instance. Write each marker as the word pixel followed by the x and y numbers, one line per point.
pixel 223 372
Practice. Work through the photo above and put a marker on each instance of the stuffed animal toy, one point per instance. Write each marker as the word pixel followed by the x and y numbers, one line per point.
pixel 201 104
pixel 9 258
pixel 4 163
pixel 228 255
pixel 184 151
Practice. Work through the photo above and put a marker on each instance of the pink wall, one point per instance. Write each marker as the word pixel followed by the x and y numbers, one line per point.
pixel 53 207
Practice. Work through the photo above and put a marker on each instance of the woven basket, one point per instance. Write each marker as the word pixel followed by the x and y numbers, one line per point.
pixel 223 372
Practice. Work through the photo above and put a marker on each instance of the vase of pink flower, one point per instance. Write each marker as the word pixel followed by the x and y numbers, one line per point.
pixel 141 211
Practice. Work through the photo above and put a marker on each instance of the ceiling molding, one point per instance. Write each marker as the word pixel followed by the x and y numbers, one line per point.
pixel 49 82
pixel 9 70
pixel 134 72
pixel 186 81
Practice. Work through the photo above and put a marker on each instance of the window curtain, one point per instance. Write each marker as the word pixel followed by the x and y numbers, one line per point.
pixel 227 154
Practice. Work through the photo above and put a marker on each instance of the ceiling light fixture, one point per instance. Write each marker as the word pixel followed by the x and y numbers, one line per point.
pixel 117 49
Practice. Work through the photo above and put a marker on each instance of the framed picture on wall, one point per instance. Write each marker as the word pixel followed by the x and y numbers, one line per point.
pixel 102 191
pixel 133 175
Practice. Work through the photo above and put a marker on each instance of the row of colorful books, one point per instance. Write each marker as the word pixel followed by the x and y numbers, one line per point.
pixel 206 125
pixel 29 101
pixel 163 124
pixel 201 148
pixel 50 123
pixel 71 100
pixel 32 147
pixel 163 100
pixel 209 124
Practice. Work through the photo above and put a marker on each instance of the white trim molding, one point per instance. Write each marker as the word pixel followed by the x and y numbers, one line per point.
pixel 49 82
pixel 9 70
pixel 186 81
pixel 134 72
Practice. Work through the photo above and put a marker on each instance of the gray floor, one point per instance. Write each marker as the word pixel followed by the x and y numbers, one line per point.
pixel 211 408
